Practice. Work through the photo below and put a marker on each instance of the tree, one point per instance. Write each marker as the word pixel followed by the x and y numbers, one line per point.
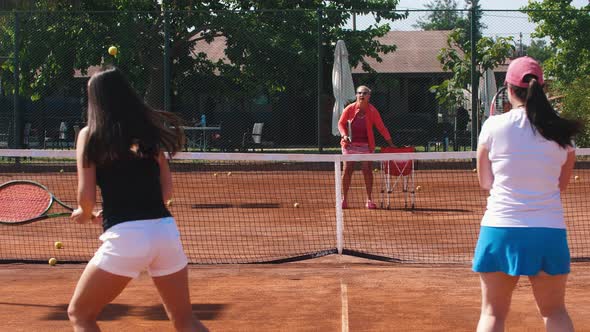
pixel 539 50
pixel 445 15
pixel 568 31
pixel 571 100
pixel 489 54
pixel 261 37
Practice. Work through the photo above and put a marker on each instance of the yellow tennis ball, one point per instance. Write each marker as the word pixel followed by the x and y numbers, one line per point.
pixel 52 261
pixel 228 173
pixel 58 245
pixel 169 203
pixel 376 170
pixel 61 170
pixel 418 188
pixel 296 205
pixel 474 170
pixel 214 174
pixel 576 178
pixel 113 50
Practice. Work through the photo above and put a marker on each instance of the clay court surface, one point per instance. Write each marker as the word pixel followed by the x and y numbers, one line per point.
pixel 326 294
pixel 249 216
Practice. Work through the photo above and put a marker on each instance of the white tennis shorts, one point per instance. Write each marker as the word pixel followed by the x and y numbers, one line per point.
pixel 131 247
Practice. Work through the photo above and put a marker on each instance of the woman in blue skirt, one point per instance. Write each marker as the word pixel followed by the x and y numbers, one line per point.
pixel 525 158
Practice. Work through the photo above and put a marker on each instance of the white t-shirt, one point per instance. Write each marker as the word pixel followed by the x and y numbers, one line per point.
pixel 526 169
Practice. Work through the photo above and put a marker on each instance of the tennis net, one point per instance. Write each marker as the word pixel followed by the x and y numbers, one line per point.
pixel 258 208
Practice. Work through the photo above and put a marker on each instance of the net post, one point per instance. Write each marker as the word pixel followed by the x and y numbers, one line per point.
pixel 339 214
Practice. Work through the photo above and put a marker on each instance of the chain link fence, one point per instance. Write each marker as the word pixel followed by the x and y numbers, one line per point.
pixel 224 72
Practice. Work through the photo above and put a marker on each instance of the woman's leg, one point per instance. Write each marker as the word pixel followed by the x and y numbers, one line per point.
pixel 173 289
pixel 346 179
pixel 368 176
pixel 549 291
pixel 95 289
pixel 496 294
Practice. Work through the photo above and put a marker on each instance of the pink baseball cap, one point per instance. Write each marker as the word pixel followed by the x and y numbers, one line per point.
pixel 521 67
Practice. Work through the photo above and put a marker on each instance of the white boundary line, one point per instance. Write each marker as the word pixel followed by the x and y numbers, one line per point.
pixel 38 153
pixel 344 305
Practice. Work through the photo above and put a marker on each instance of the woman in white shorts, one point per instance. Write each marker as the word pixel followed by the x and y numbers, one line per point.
pixel 121 151
pixel 525 159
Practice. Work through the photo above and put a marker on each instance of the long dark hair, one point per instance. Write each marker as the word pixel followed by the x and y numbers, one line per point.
pixel 118 118
pixel 543 117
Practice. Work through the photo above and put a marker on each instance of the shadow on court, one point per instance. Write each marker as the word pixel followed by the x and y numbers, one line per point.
pixel 115 311
pixel 331 293
pixel 241 206
pixel 429 210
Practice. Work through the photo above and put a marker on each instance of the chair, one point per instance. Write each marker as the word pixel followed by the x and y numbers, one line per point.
pixel 76 132
pixel 4 134
pixel 399 170
pixel 27 135
pixel 30 138
pixel 56 138
pixel 254 140
pixel 439 137
pixel 62 134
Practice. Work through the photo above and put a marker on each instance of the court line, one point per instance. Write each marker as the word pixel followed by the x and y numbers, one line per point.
pixel 344 304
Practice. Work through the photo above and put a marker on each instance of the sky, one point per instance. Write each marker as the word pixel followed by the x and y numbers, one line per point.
pixel 485 4
pixel 499 24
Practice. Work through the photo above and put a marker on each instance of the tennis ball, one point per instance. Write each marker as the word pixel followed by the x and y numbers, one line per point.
pixel 376 170
pixel 228 173
pixel 418 188
pixel 169 203
pixel 296 205
pixel 52 261
pixel 113 50
pixel 576 178
pixel 214 174
pixel 61 170
pixel 58 245
pixel 474 170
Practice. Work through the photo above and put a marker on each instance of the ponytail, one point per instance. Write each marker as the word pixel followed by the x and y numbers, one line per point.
pixel 543 117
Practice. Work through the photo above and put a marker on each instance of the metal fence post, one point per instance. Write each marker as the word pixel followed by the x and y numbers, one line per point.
pixel 16 114
pixel 320 79
pixel 166 56
pixel 474 81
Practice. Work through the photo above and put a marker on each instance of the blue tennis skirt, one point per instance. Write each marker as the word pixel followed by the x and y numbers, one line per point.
pixel 522 251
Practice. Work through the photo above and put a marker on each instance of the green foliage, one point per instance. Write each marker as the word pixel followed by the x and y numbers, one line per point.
pixel 539 50
pixel 456 57
pixel 270 45
pixel 575 104
pixel 445 15
pixel 568 30
pixel 489 54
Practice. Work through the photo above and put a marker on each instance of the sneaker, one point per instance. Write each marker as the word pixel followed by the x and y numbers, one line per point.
pixel 371 205
pixel 344 205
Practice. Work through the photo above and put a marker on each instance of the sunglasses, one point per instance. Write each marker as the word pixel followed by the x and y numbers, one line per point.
pixel 362 93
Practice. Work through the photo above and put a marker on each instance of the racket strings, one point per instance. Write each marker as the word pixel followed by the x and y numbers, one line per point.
pixel 22 202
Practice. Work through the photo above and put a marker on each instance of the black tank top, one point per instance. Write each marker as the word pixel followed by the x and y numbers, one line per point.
pixel 130 191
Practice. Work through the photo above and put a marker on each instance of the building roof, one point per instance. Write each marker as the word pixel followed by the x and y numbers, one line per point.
pixel 416 52
pixel 214 51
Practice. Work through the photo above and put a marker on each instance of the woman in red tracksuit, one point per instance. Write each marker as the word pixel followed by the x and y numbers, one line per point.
pixel 362 117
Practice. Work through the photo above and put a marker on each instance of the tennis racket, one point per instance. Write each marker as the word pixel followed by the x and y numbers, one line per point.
pixel 501 91
pixel 23 202
pixel 349 125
